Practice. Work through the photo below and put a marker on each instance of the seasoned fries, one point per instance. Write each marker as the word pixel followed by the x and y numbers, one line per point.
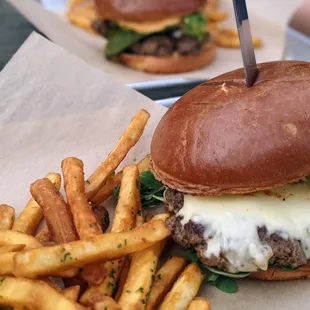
pixel 199 303
pixel 124 220
pixel 128 139
pixel 56 212
pixel 184 289
pixel 78 253
pixel 7 215
pixel 214 15
pixel 164 280
pixel 106 303
pixel 72 292
pixel 106 191
pixel 30 218
pixel 33 293
pixel 112 271
pixel 84 219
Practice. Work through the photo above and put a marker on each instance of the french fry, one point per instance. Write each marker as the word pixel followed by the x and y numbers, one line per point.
pixel 34 294
pixel 109 246
pixel 30 218
pixel 184 290
pixel 10 237
pixel 229 38
pixel 122 279
pixel 80 19
pixel 7 216
pixel 141 273
pixel 11 248
pixel 164 280
pixel 199 303
pixel 106 191
pixel 56 212
pixel 106 303
pixel 124 220
pixel 84 219
pixel 128 139
pixel 7 264
pixel 72 292
pixel 44 236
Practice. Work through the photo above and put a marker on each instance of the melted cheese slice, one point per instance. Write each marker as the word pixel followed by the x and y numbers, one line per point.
pixel 149 27
pixel 231 223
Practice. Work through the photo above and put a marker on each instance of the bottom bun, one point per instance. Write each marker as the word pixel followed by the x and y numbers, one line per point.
pixel 278 274
pixel 170 64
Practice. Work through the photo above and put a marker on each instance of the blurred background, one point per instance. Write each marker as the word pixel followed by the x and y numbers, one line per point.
pixel 280 28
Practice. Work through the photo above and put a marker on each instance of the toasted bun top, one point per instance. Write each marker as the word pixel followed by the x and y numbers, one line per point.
pixel 146 10
pixel 222 137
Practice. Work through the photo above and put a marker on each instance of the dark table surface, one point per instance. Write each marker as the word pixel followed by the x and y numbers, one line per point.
pixel 14 29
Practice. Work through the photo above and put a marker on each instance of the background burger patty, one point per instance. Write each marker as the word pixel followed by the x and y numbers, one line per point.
pixel 286 252
pixel 158 44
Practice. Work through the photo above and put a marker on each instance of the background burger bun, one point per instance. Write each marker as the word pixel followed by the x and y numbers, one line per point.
pixel 170 64
pixel 278 274
pixel 224 138
pixel 146 10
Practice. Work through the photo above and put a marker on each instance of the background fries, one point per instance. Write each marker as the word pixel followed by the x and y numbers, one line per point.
pixel 199 303
pixel 36 294
pixel 7 216
pixel 56 212
pixel 184 289
pixel 106 191
pixel 30 218
pixel 44 236
pixel 128 139
pixel 164 280
pixel 11 248
pixel 78 253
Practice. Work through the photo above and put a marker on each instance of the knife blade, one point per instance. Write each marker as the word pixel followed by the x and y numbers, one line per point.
pixel 246 44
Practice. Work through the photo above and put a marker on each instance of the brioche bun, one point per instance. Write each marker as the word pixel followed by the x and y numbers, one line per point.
pixel 224 138
pixel 171 64
pixel 146 10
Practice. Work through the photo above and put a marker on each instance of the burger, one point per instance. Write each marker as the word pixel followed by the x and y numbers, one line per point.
pixel 235 162
pixel 158 36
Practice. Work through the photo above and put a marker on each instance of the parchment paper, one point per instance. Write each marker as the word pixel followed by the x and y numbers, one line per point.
pixel 53 105
pixel 268 20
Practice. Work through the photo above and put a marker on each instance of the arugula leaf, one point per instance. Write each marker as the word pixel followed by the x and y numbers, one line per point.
pixel 148 180
pixel 226 285
pixel 287 268
pixel 194 25
pixel 116 192
pixel 120 39
pixel 308 179
pixel 191 256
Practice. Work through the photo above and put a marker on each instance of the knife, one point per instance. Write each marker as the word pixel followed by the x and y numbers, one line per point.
pixel 246 44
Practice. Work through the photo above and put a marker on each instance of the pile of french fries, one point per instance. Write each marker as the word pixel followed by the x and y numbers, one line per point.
pixel 97 270
pixel 82 13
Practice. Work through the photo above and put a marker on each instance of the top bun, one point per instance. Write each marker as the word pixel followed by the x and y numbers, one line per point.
pixel 224 138
pixel 146 10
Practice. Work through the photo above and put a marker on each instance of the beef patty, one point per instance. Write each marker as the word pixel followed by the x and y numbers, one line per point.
pixel 286 252
pixel 158 44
